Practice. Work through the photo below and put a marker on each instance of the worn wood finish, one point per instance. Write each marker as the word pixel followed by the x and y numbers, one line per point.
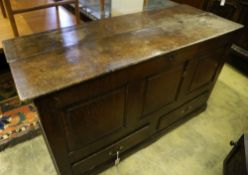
pixel 111 85
pixel 117 40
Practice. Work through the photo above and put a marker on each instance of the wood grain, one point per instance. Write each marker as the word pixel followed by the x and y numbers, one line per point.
pixel 113 84
pixel 60 59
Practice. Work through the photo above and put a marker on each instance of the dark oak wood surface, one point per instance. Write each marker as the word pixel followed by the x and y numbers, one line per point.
pixel 236 161
pixel 108 87
pixel 235 10
pixel 195 3
pixel 60 59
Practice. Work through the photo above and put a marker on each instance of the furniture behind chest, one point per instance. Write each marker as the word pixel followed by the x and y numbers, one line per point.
pixel 3 64
pixel 237 160
pixel 108 87
pixel 195 3
pixel 235 10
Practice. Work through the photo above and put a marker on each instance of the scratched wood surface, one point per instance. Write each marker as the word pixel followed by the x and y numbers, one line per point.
pixel 48 62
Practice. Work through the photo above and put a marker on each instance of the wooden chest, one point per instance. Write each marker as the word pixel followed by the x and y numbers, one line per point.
pixel 108 87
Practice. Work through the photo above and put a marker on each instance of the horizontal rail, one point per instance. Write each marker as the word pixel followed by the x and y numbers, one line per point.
pixel 43 6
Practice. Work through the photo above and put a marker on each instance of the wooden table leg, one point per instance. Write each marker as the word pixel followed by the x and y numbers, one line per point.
pixel 11 17
pixel 102 5
pixel 77 12
pixel 145 3
pixel 2 9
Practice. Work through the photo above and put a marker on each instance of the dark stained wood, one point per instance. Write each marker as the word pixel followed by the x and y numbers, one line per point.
pixel 109 153
pixel 201 73
pixel 118 82
pixel 78 121
pixel 168 119
pixel 236 161
pixel 159 92
pixel 230 10
pixel 55 135
pixel 243 39
pixel 3 64
pixel 205 72
pixel 235 10
pixel 195 3
pixel 72 56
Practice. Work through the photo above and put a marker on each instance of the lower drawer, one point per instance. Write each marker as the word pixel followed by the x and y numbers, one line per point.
pixel 170 118
pixel 109 154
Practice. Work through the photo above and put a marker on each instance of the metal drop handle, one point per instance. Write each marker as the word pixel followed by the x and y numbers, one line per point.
pixel 117 153
pixel 117 160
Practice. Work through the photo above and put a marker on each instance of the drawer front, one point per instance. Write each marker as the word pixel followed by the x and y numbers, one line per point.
pixel 108 154
pixel 168 119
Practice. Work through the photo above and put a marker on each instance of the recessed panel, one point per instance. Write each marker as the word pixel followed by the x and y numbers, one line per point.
pixel 205 72
pixel 162 89
pixel 91 121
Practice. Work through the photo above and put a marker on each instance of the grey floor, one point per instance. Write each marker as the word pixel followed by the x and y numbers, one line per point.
pixel 197 147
